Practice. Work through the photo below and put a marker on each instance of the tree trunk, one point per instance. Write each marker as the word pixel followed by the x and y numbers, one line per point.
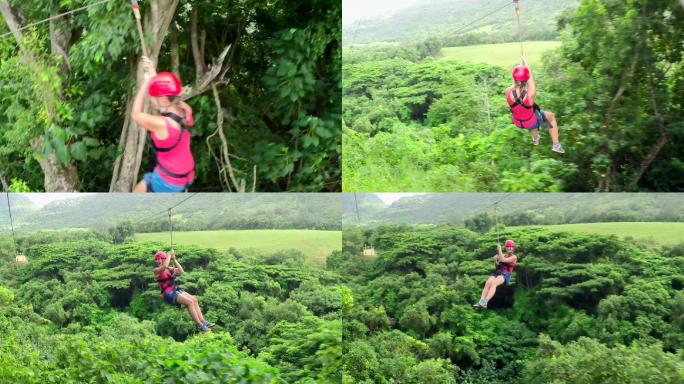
pixel 58 177
pixel 157 19
pixel 663 137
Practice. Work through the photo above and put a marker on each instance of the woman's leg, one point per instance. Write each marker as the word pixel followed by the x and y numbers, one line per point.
pixel 140 187
pixel 534 132
pixel 553 131
pixel 199 310
pixel 492 288
pixel 195 305
pixel 192 308
pixel 486 288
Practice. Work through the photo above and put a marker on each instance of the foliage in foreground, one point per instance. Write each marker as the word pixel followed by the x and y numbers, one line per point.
pixel 582 309
pixel 90 311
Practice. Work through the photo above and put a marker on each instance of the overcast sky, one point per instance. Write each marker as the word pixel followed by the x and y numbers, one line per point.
pixel 353 10
pixel 43 199
pixel 389 198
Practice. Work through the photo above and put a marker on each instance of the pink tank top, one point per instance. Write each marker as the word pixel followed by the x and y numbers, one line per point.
pixel 523 115
pixel 507 267
pixel 179 160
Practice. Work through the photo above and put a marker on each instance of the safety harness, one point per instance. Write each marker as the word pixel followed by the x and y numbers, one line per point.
pixel 168 282
pixel 519 101
pixel 155 149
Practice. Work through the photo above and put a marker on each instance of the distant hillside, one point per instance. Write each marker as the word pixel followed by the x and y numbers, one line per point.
pixel 566 208
pixel 202 211
pixel 445 19
pixel 369 205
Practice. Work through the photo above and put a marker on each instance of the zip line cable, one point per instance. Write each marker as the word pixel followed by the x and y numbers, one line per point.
pixel 55 17
pixel 517 13
pixel 170 231
pixel 14 240
pixel 167 210
pixel 508 3
pixel 184 200
pixel 355 29
pixel 496 215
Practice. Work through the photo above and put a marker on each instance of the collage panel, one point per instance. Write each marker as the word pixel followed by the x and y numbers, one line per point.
pixel 513 288
pixel 513 95
pixel 169 95
pixel 173 288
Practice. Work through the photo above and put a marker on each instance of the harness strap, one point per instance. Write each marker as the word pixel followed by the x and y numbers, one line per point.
pixel 164 283
pixel 173 174
pixel 156 149
pixel 184 128
pixel 520 100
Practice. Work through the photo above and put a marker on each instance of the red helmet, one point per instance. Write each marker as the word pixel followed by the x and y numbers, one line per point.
pixel 159 256
pixel 164 84
pixel 521 73
pixel 510 243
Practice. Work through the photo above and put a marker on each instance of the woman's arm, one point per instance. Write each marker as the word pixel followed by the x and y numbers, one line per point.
pixel 179 269
pixel 150 122
pixel 531 85
pixel 508 260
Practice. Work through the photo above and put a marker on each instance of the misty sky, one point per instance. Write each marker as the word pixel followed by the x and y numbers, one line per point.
pixel 353 10
pixel 43 199
pixel 389 198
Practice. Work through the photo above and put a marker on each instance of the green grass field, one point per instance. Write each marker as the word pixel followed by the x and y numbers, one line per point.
pixel 315 245
pixel 650 233
pixel 504 55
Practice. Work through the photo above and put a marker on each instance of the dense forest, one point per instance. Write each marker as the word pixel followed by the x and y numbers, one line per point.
pixel 581 309
pixel 451 21
pixel 85 310
pixel 412 122
pixel 263 79
pixel 513 208
pixel 147 213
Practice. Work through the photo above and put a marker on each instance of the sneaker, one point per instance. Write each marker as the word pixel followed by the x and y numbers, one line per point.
pixel 558 148
pixel 535 140
pixel 202 328
pixel 477 305
pixel 208 324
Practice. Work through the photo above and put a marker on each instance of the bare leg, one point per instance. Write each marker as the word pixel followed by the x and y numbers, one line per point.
pixel 492 290
pixel 199 310
pixel 195 305
pixel 184 299
pixel 535 134
pixel 140 187
pixel 486 288
pixel 553 131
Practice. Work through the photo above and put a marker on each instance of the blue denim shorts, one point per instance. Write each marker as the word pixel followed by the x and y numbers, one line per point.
pixel 506 276
pixel 155 183
pixel 541 119
pixel 171 296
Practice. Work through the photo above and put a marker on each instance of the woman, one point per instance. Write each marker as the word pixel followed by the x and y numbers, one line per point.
pixel 526 114
pixel 174 168
pixel 166 277
pixel 502 273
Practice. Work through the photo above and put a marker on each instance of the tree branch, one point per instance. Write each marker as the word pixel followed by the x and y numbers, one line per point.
pixel 662 139
pixel 205 82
